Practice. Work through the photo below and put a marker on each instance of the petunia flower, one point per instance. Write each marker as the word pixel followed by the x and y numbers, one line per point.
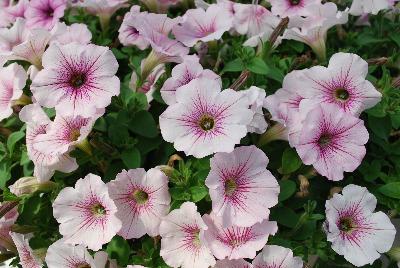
pixel 142 200
pixel 44 13
pixel 63 255
pixel 342 83
pixel 76 32
pixel 356 232
pixel 181 239
pixel 6 222
pixel 76 79
pixel 240 263
pixel 45 164
pixel 360 7
pixel 276 256
pixel 148 87
pixel 182 74
pixel 293 8
pixel 241 188
pixel 236 242
pixel 25 252
pixel 12 81
pixel 256 98
pixel 86 213
pixel 332 141
pixel 205 120
pixel 16 10
pixel 313 29
pixel 200 25
pixel 11 37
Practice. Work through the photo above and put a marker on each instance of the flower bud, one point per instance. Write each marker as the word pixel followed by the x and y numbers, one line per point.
pixel 29 185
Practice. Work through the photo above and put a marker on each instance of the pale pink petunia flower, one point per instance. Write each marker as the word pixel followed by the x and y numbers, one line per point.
pixel 332 141
pixel 104 9
pixel 182 74
pixel 313 29
pixel 6 222
pixel 45 164
pixel 86 213
pixel 26 255
pixel 342 83
pixel 276 256
pixel 293 8
pixel 256 98
pixel 205 120
pixel 63 255
pixel 355 230
pixel 200 25
pixel 16 10
pixel 76 79
pixel 142 199
pixel 76 32
pixel 236 242
pixel 241 188
pixel 44 13
pixel 11 37
pixel 240 263
pixel 360 7
pixel 181 239
pixel 148 87
pixel 12 81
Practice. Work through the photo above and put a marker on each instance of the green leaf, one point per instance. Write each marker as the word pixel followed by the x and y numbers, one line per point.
pixel 13 139
pixel 118 248
pixel 371 171
pixel 258 66
pixel 5 174
pixel 290 161
pixel 234 66
pixel 131 158
pixel 380 126
pixel 143 124
pixel 179 193
pixel 198 193
pixel 391 189
pixel 288 188
pixel 285 216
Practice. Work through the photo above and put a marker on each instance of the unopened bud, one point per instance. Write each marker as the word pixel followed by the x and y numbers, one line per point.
pixel 334 190
pixel 29 185
pixel 166 169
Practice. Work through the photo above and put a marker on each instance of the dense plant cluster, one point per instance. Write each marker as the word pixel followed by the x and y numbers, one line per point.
pixel 197 134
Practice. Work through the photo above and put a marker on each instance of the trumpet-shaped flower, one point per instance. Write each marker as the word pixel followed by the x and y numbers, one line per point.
pixel 360 7
pixel 293 8
pixel 332 141
pixel 181 239
pixel 104 9
pixel 205 120
pixel 241 188
pixel 6 222
pixel 44 13
pixel 14 11
pixel 149 85
pixel 236 242
pixel 76 79
pixel 142 200
pixel 233 264
pixel 183 74
pixel 356 232
pixel 256 98
pixel 276 256
pixel 25 252
pixel 200 25
pixel 86 213
pixel 11 37
pixel 45 163
pixel 342 83
pixel 65 34
pixel 12 81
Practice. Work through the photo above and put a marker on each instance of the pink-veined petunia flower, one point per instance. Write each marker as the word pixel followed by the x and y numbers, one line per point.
pixel 332 141
pixel 148 87
pixel 356 232
pixel 182 74
pixel 16 10
pixel 104 9
pixel 293 8
pixel 241 188
pixel 236 242
pixel 360 7
pixel 6 222
pixel 86 213
pixel 76 79
pixel 342 83
pixel 10 37
pixel 205 120
pixel 44 13
pixel 45 164
pixel 240 263
pixel 181 239
pixel 12 81
pixel 276 256
pixel 26 255
pixel 201 25
pixel 313 29
pixel 65 34
pixel 63 255
pixel 256 98
pixel 228 5
pixel 142 199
